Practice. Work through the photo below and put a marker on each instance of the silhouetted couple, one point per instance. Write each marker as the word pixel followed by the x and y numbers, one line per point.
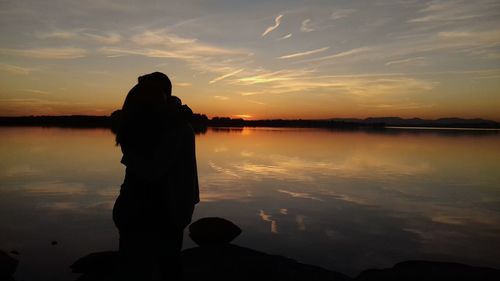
pixel 160 189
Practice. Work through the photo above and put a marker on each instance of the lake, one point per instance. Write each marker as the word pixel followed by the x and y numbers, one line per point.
pixel 343 200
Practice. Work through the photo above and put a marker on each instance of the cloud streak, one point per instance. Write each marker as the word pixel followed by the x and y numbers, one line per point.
pixel 286 36
pixel 417 61
pixel 277 22
pixel 14 69
pixel 225 76
pixel 341 54
pixel 341 13
pixel 306 27
pixel 63 53
pixel 302 54
pixel 446 11
pixel 83 35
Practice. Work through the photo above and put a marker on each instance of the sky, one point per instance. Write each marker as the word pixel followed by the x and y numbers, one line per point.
pixel 255 59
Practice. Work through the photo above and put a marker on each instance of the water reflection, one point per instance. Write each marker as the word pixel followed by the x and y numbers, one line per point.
pixel 348 200
pixel 344 200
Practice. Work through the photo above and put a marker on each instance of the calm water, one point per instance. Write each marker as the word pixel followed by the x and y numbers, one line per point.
pixel 346 201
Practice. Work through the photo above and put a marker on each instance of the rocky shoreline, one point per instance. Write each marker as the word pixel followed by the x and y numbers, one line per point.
pixel 217 259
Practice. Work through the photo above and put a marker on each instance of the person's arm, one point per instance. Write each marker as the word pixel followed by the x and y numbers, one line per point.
pixel 190 169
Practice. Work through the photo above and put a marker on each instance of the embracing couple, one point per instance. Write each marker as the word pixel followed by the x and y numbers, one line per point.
pixel 160 188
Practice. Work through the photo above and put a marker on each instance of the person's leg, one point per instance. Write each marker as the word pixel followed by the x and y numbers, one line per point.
pixel 170 259
pixel 135 255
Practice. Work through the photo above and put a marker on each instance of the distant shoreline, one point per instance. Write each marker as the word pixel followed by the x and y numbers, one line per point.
pixel 201 122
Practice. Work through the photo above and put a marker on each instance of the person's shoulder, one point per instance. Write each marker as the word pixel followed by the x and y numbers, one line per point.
pixel 187 129
pixel 183 128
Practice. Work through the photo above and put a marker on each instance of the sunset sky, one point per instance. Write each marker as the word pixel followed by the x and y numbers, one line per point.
pixel 255 59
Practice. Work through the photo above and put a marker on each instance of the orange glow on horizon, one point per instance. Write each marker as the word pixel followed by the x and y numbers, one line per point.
pixel 243 116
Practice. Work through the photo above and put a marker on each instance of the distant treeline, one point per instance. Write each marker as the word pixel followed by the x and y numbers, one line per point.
pixel 201 122
pixel 292 123
pixel 72 121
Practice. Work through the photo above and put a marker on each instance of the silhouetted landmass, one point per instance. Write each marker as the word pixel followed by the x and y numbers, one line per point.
pixel 220 262
pixel 418 122
pixel 430 270
pixel 201 122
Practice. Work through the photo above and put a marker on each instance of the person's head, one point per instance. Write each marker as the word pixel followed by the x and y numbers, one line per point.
pixel 145 110
pixel 157 80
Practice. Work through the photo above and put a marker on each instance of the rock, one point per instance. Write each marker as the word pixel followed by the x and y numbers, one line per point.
pixel 14 252
pixel 8 266
pixel 98 266
pixel 231 262
pixel 215 262
pixel 213 231
pixel 100 262
pixel 428 270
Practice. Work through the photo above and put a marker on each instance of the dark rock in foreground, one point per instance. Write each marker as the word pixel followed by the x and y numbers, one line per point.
pixel 428 270
pixel 231 262
pixel 216 259
pixel 98 266
pixel 221 262
pixel 8 266
pixel 213 231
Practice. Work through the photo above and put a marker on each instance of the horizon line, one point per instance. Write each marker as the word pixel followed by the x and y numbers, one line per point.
pixel 236 117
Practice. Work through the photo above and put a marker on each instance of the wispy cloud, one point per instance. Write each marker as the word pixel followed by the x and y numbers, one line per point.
pixel 14 69
pixel 277 22
pixel 111 38
pixel 341 54
pixel 341 13
pixel 153 53
pixel 82 34
pixel 221 98
pixel 478 43
pixel 34 91
pixel 303 80
pixel 199 56
pixel 468 37
pixel 189 53
pixel 258 102
pixel 301 54
pixel 225 76
pixel 250 93
pixel 47 53
pixel 453 10
pixel 417 61
pixel 160 37
pixel 58 35
pixel 285 37
pixel 306 26
pixel 167 44
pixel 269 77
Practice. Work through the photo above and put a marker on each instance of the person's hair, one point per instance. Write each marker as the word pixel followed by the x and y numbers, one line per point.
pixel 145 111
pixel 157 80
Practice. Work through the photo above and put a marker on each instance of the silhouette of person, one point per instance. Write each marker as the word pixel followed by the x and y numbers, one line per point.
pixel 160 188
